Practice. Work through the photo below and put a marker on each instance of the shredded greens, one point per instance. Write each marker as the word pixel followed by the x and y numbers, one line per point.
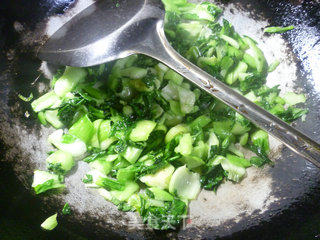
pixel 152 139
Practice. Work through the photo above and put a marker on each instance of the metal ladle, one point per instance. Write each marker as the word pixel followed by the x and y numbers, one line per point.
pixel 108 30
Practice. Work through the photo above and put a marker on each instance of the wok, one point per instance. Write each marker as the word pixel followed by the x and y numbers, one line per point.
pixel 279 202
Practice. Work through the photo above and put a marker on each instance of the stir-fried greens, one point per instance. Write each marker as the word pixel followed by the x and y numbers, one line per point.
pixel 151 139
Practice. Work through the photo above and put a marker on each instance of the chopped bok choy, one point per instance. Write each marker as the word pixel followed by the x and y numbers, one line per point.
pixel 152 139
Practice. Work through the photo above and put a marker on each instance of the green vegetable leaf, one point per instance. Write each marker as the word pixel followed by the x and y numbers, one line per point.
pixel 47 185
pixel 40 188
pixel 263 156
pixel 71 110
pixel 56 168
pixel 213 177
pixel 292 114
pixel 66 210
pixel 26 99
pixel 278 29
pixel 95 156
pixel 257 161
pixel 110 184
pixel 88 179
pixel 273 66
pixel 163 218
pixel 50 223
pixel 68 138
pixel 124 207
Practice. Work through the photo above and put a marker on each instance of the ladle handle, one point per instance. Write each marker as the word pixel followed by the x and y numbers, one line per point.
pixel 158 47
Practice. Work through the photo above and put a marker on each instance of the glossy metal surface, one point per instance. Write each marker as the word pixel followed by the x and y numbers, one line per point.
pixel 103 32
pixel 137 27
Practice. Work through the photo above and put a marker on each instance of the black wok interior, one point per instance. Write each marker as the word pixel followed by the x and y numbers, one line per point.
pixel 21 212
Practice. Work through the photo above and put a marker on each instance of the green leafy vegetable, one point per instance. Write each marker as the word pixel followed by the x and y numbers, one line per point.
pixel 292 114
pixel 273 66
pixel 60 162
pixel 213 177
pixel 50 223
pixel 88 179
pixel 66 210
pixel 278 29
pixel 26 99
pixel 44 181
pixel 110 184
pixel 95 156
pixel 69 109
pixel 163 218
pixel 257 161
